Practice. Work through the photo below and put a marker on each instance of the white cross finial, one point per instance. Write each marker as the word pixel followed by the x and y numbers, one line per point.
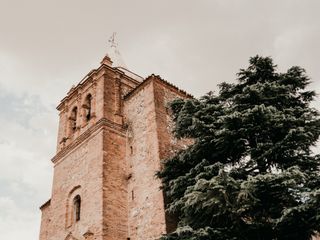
pixel 112 40
pixel 113 52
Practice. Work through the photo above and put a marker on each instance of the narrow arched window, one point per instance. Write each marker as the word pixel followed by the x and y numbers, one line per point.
pixel 73 119
pixel 77 207
pixel 87 106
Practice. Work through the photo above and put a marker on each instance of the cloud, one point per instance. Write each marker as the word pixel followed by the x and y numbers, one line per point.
pixel 17 222
pixel 27 141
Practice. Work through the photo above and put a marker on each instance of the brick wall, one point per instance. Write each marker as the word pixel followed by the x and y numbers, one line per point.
pixel 114 186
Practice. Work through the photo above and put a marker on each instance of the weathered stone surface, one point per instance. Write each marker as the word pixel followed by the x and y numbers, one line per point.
pixel 111 159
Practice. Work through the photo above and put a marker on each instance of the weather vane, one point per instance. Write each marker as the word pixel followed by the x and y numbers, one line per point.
pixel 112 40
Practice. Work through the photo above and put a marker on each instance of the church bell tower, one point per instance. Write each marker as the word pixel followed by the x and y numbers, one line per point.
pixel 114 131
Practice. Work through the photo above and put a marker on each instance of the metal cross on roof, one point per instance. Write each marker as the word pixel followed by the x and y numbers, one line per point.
pixel 112 40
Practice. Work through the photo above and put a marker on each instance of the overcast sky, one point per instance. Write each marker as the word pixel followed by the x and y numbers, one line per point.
pixel 47 46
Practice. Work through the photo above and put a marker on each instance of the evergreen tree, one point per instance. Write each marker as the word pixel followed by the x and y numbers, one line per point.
pixel 250 172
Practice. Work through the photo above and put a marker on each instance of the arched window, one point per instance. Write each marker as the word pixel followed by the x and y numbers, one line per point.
pixel 87 106
pixel 77 207
pixel 73 119
pixel 73 206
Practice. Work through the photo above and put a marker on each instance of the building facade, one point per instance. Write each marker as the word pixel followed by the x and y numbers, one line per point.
pixel 114 132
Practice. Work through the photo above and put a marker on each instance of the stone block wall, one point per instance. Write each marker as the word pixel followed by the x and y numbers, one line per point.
pixel 146 219
pixel 79 172
pixel 168 144
pixel 149 142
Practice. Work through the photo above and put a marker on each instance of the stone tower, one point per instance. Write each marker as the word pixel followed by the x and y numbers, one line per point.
pixel 114 130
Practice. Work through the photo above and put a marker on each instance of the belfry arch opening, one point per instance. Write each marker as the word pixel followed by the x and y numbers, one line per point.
pixel 73 119
pixel 88 107
pixel 77 207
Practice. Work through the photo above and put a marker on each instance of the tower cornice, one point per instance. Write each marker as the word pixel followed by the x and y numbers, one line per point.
pixel 102 123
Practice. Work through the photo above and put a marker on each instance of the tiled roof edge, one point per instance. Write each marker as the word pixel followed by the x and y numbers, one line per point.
pixel 47 203
pixel 156 77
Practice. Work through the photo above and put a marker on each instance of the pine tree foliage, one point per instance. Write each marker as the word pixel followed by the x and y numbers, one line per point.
pixel 251 173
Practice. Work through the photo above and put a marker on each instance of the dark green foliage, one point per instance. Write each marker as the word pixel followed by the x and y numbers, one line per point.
pixel 250 173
